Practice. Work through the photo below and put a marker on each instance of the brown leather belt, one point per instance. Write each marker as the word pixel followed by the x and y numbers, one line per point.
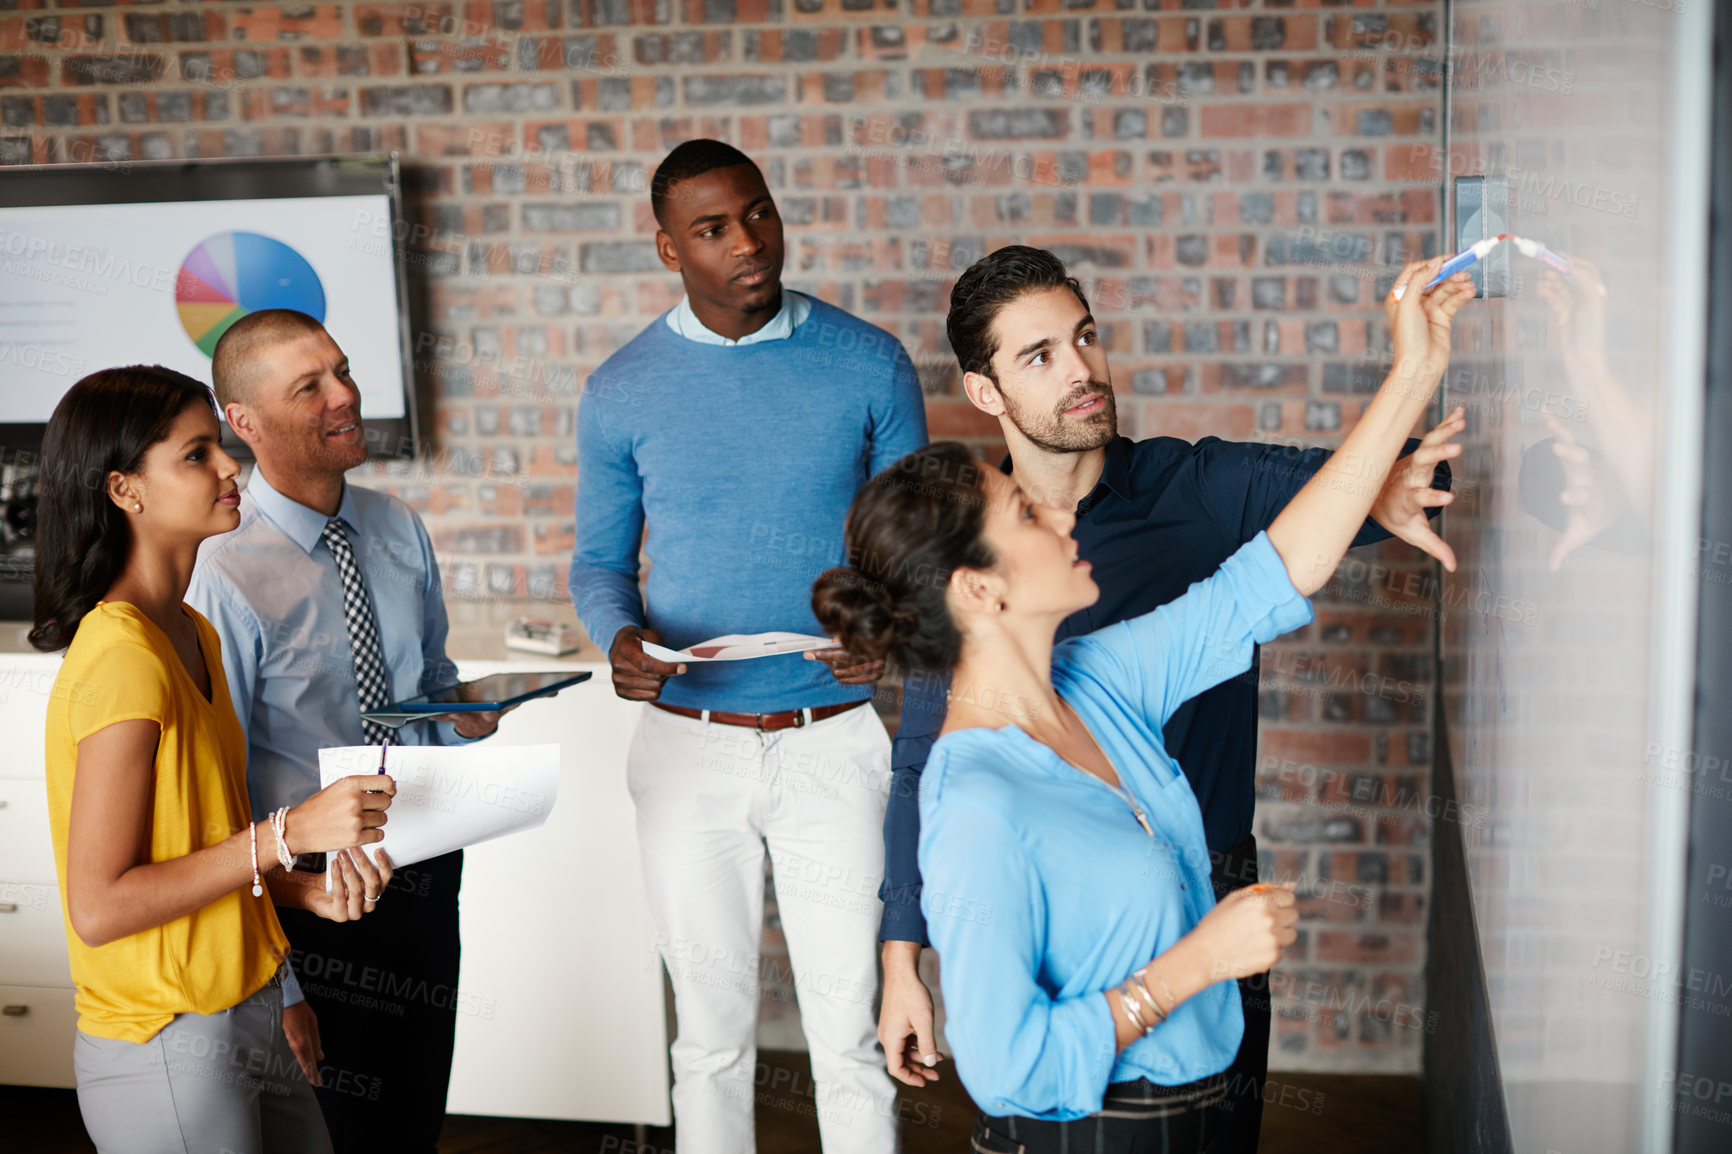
pixel 785 719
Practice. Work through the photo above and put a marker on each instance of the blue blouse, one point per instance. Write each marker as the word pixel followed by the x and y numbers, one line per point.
pixel 1042 890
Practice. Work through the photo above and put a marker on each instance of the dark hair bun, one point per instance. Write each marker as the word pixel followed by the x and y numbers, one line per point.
pixel 860 613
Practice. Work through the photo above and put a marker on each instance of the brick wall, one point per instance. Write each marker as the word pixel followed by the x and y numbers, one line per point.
pixel 1230 184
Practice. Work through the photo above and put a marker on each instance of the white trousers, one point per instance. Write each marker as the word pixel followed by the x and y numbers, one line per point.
pixel 709 798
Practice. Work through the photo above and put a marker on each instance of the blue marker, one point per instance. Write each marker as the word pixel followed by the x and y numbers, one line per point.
pixel 1470 255
pixel 1539 252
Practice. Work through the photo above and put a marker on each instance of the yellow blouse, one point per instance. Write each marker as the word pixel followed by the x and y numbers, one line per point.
pixel 121 667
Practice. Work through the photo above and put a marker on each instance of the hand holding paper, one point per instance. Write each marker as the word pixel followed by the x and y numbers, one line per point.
pixel 451 797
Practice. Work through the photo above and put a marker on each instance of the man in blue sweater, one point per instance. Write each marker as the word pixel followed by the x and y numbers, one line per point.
pixel 1152 517
pixel 736 429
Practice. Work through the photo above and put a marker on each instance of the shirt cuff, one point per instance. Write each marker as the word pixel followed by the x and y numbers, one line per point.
pixel 291 986
pixel 902 920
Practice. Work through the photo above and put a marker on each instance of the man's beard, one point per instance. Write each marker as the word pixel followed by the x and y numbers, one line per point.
pixel 1052 432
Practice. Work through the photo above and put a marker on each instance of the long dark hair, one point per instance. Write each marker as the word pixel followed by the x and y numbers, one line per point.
pixel 104 424
pixel 908 529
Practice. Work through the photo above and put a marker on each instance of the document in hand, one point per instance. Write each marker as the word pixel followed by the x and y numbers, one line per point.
pixel 739 647
pixel 449 797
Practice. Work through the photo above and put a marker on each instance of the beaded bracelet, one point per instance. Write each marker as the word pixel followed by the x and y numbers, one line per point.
pixel 253 836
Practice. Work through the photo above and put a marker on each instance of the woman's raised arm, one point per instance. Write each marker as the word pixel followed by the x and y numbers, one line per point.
pixel 1319 523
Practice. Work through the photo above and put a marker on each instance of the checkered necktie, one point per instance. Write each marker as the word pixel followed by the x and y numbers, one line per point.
pixel 363 633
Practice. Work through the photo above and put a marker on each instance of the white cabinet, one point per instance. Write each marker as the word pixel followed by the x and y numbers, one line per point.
pixel 561 1010
pixel 36 1028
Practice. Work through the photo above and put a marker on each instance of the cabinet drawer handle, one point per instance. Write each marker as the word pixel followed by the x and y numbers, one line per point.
pixel 8 907
pixel 14 1011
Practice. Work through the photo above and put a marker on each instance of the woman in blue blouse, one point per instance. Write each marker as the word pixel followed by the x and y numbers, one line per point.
pixel 1087 970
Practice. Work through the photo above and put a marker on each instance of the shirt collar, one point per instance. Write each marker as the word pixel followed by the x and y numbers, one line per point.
pixel 795 306
pixel 1115 472
pixel 300 524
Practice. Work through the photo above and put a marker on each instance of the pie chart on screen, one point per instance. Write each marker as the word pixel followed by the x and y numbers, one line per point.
pixel 232 274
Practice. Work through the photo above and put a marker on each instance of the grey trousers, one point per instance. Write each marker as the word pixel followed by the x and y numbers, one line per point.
pixel 223 1083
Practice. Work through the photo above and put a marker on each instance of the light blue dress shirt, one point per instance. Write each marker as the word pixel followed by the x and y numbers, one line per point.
pixel 794 309
pixel 272 591
pixel 1042 890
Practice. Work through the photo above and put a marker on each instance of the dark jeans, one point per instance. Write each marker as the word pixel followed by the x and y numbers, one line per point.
pixel 1242 1112
pixel 385 991
pixel 1136 1118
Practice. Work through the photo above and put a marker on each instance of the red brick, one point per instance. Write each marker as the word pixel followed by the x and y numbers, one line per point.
pixel 415 19
pixel 1367 947
pixel 431 57
pixel 311 103
pixel 1255 119
pixel 483 17
pixel 301 22
pixel 172 27
pixel 231 67
pixel 586 13
pixel 353 59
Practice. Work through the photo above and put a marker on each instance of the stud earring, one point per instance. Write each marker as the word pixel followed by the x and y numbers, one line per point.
pixel 1001 607
pixel 138 508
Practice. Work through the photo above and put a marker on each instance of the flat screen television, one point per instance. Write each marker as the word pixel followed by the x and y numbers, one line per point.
pixel 150 262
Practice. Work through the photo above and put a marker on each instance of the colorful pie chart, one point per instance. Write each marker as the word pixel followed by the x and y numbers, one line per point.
pixel 234 273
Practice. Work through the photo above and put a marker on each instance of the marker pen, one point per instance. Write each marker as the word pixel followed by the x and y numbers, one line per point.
pixel 1470 255
pixel 1539 252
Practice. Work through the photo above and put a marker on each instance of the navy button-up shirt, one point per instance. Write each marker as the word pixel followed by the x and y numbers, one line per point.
pixel 1165 514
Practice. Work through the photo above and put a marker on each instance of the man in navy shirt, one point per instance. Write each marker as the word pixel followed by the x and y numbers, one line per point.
pixel 1153 517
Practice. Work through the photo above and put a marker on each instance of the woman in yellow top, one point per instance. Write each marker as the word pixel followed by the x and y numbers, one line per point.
pixel 175 948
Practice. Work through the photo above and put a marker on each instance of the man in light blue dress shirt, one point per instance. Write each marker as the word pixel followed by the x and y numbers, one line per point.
pixel 273 591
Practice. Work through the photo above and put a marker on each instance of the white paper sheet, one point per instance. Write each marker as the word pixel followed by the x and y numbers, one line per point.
pixel 740 647
pixel 449 797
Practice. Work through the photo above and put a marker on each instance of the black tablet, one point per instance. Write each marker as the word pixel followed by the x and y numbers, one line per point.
pixel 483 695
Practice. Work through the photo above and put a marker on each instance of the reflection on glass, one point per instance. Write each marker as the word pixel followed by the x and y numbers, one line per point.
pixel 1549 622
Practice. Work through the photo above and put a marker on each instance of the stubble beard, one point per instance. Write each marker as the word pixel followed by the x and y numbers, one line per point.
pixel 1055 434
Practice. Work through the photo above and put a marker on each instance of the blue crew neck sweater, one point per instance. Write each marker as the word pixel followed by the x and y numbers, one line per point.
pixel 741 462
